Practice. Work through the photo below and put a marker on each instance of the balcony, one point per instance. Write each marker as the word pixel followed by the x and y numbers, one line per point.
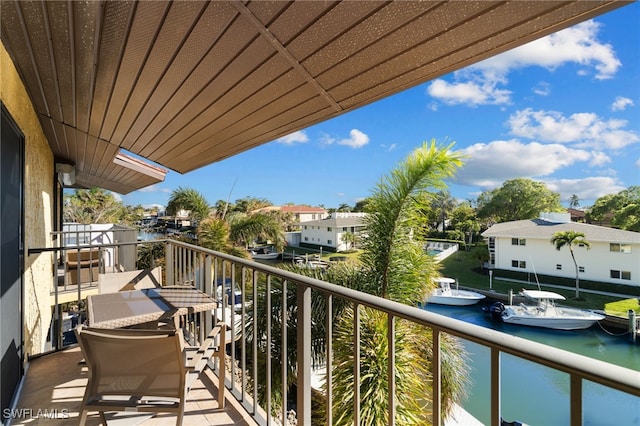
pixel 55 380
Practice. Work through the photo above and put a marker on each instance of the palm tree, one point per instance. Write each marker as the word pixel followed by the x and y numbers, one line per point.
pixel 570 239
pixel 95 205
pixel 246 228
pixel 444 203
pixel 395 267
pixel 191 200
pixel 214 234
pixel 574 201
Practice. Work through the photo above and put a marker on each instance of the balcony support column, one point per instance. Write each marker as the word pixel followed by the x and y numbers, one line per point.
pixel 304 354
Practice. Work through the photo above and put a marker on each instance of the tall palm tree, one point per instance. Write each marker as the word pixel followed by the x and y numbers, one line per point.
pixel 570 239
pixel 214 233
pixel 191 200
pixel 392 266
pixel 245 228
pixel 444 203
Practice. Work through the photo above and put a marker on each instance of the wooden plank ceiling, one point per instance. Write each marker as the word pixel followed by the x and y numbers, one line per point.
pixel 189 83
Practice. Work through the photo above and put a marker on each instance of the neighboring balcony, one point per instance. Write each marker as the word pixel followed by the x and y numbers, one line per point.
pixel 282 291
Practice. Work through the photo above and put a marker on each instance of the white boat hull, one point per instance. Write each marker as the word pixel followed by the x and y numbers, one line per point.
pixel 455 298
pixel 558 318
pixel 268 256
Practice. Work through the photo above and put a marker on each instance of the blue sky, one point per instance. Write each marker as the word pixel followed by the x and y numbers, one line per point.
pixel 563 110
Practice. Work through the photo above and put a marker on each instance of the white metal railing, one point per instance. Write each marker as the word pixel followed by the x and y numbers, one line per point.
pixel 221 275
pixel 184 263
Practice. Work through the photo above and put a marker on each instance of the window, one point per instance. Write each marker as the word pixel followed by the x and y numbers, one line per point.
pixel 518 242
pixel 519 264
pixel 305 227
pixel 624 275
pixel 329 242
pixel 306 238
pixel 559 267
pixel 329 229
pixel 523 264
pixel 620 248
pixel 344 229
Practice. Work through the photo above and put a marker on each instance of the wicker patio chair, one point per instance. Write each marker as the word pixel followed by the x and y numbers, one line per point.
pixel 133 370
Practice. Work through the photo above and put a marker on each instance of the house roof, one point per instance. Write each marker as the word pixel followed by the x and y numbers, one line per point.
pixel 185 84
pixel 302 209
pixel 338 222
pixel 293 209
pixel 542 229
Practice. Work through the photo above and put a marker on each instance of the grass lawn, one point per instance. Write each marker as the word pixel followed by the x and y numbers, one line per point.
pixel 466 270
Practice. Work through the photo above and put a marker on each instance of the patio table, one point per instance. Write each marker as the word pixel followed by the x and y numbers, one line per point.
pixel 133 307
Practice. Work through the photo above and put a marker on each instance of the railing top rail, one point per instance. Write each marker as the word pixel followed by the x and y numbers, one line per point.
pixel 37 250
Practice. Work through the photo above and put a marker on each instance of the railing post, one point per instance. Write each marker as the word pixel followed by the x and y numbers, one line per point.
pixel 168 255
pixel 329 369
pixel 391 369
pixel 356 364
pixel 495 387
pixel 209 289
pixel 304 354
pixel 436 380
pixel 575 395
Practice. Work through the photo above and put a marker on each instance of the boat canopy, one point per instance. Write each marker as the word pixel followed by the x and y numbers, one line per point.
pixel 538 294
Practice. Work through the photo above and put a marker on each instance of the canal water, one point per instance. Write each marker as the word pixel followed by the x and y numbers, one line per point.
pixel 537 395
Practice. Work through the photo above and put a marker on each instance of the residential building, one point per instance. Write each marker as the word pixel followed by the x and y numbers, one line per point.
pixel 299 212
pixel 525 246
pixel 328 233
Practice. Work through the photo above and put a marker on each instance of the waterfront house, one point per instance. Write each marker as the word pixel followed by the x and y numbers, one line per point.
pixel 299 213
pixel 187 84
pixel 525 246
pixel 327 234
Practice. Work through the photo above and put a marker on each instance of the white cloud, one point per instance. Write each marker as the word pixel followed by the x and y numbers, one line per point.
pixel 599 159
pixel 326 139
pixel 155 188
pixel 153 206
pixel 590 188
pixel 295 137
pixel 621 103
pixel 542 89
pixel 356 139
pixel 390 147
pixel 471 92
pixel 483 83
pixel 583 129
pixel 489 165
pixel 578 44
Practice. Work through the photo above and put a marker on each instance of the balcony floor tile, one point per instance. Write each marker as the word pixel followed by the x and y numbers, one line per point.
pixel 54 385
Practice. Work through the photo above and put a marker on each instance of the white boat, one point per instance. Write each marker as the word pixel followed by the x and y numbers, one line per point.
pixel 264 253
pixel 543 312
pixel 312 264
pixel 445 295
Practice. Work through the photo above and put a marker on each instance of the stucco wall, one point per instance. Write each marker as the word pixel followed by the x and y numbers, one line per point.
pixel 542 258
pixel 38 200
